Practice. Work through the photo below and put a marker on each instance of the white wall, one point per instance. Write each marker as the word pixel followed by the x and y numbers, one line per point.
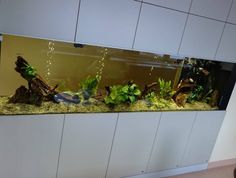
pixel 225 147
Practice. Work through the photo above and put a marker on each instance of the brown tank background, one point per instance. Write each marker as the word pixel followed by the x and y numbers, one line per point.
pixel 70 65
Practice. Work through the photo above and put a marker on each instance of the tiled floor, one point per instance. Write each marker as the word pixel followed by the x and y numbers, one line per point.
pixel 221 172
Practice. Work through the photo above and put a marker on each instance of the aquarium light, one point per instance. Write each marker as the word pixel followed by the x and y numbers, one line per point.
pixel 144 62
pixel 156 66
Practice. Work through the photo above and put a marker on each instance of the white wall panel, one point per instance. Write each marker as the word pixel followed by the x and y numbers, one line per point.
pixel 227 48
pixel 182 5
pixel 159 30
pixel 216 9
pixel 201 37
pixel 108 22
pixel 232 15
pixel 54 19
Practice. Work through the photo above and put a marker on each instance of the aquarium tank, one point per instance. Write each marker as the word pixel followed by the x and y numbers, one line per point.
pixel 42 76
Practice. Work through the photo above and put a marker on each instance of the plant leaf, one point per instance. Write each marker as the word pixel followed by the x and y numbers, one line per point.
pixel 132 99
pixel 125 89
pixel 137 92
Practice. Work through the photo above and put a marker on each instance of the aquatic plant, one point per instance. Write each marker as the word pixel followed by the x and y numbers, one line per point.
pixel 30 71
pixel 89 86
pixel 196 94
pixel 150 98
pixel 154 101
pixel 165 89
pixel 122 94
pixel 27 71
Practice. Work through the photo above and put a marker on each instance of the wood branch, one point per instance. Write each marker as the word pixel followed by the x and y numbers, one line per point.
pixel 180 97
pixel 183 89
pixel 24 95
pixel 147 88
pixel 38 89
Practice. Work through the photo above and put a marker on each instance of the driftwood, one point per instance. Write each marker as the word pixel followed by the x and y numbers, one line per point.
pixel 147 88
pixel 214 98
pixel 180 97
pixel 37 91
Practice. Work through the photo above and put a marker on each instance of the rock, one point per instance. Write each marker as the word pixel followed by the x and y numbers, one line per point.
pixel 66 97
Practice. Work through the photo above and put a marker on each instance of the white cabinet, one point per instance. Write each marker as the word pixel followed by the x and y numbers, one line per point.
pixel 216 9
pixel 201 37
pixel 182 5
pixel 30 146
pixel 108 22
pixel 171 140
pixel 232 15
pixel 86 145
pixel 203 137
pixel 54 19
pixel 159 30
pixel 132 143
pixel 103 145
pixel 227 48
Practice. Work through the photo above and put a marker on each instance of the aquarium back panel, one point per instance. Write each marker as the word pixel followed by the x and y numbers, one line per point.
pixel 40 76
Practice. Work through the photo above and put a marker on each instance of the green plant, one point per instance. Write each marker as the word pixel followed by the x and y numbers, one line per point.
pixel 29 71
pixel 89 87
pixel 122 94
pixel 153 101
pixel 165 89
pixel 196 94
pixel 151 97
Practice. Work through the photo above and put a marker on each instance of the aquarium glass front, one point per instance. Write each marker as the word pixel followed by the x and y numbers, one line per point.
pixel 41 76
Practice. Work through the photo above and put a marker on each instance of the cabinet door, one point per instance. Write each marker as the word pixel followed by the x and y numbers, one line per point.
pixel 132 143
pixel 216 9
pixel 86 145
pixel 159 30
pixel 203 137
pixel 227 48
pixel 232 15
pixel 201 37
pixel 182 5
pixel 53 19
pixel 171 140
pixel 108 22
pixel 30 146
